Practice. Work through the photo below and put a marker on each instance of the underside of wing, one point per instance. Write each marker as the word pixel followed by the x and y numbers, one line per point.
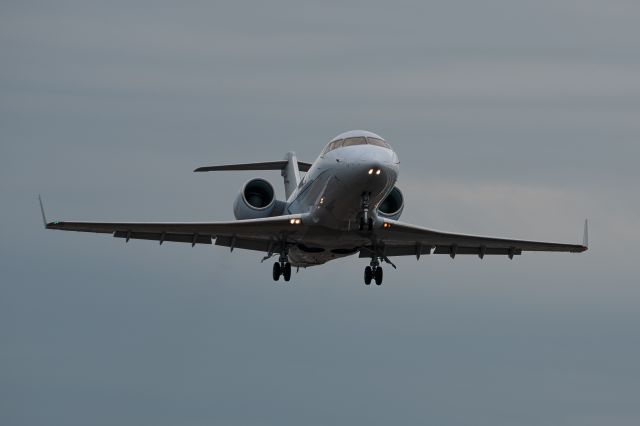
pixel 254 234
pixel 400 239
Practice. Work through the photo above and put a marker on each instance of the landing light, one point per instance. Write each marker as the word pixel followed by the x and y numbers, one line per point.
pixel 370 171
pixel 378 172
pixel 295 221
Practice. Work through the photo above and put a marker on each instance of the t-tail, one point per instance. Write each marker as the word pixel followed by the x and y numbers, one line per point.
pixel 290 169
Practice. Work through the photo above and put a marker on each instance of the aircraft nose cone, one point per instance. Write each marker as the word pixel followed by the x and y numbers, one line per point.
pixel 369 167
pixel 379 170
pixel 377 165
pixel 374 168
pixel 376 173
pixel 376 158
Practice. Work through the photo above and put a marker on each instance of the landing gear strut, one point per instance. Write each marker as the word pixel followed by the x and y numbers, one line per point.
pixel 373 272
pixel 365 219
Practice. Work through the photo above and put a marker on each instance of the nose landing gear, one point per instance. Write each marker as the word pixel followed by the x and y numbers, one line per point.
pixel 365 219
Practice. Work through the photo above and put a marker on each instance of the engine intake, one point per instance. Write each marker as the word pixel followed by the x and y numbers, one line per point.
pixel 256 200
pixel 391 207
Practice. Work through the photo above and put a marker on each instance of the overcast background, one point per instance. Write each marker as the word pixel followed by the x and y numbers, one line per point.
pixel 510 118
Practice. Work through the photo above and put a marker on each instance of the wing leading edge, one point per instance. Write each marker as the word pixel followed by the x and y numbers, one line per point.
pixel 401 239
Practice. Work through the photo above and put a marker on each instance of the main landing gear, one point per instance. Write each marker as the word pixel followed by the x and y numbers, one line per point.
pixel 282 267
pixel 373 272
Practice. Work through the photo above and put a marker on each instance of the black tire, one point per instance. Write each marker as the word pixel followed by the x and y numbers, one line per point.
pixel 287 271
pixel 362 223
pixel 276 271
pixel 370 224
pixel 368 275
pixel 378 275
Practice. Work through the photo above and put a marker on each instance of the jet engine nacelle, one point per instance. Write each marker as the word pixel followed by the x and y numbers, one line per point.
pixel 391 207
pixel 257 199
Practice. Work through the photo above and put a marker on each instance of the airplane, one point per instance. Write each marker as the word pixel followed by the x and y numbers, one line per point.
pixel 346 203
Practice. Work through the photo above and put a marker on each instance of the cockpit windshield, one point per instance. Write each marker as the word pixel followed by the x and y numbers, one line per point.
pixel 378 142
pixel 354 141
pixel 359 140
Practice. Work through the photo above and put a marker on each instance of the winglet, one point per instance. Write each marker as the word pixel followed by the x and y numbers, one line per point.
pixel 585 236
pixel 44 217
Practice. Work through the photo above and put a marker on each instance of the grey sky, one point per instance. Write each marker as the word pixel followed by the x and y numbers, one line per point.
pixel 510 118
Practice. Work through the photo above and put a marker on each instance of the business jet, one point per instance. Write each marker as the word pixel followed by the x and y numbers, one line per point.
pixel 346 203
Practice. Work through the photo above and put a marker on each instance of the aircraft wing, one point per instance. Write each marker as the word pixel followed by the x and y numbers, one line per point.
pixel 254 234
pixel 401 239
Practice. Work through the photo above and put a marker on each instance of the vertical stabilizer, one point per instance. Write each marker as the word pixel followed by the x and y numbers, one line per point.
pixel 291 174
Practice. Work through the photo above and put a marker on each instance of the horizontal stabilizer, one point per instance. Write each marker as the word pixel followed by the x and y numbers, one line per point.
pixel 267 165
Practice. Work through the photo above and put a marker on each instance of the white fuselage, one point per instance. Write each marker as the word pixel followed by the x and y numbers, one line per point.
pixel 331 195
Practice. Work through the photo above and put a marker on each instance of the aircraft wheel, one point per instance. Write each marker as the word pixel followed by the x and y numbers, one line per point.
pixel 368 275
pixel 370 224
pixel 287 271
pixel 378 275
pixel 276 271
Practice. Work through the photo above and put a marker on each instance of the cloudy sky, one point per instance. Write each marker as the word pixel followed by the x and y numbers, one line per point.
pixel 510 118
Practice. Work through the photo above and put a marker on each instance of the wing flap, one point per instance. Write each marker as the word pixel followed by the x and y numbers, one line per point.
pixel 419 250
pixel 162 237
pixel 400 250
pixel 476 250
pixel 255 244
